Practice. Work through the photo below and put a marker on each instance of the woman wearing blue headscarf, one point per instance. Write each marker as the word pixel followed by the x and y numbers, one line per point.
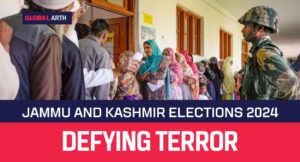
pixel 154 74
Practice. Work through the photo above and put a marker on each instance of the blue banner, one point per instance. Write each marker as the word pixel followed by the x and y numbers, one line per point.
pixel 149 111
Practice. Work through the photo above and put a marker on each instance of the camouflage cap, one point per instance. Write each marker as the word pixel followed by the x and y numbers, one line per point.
pixel 261 15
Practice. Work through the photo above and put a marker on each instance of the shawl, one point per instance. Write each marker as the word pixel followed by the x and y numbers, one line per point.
pixel 175 66
pixel 228 82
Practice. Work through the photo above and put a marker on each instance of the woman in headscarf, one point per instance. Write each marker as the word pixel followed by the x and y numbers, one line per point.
pixel 217 81
pixel 204 81
pixel 176 74
pixel 128 86
pixel 228 82
pixel 154 74
pixel 195 86
pixel 210 75
pixel 188 77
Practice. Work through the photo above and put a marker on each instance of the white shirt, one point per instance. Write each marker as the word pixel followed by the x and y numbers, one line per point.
pixel 72 35
pixel 203 97
pixel 91 78
pixel 97 78
pixel 9 79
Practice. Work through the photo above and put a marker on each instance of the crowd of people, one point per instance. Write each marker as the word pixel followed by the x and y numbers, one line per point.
pixel 69 62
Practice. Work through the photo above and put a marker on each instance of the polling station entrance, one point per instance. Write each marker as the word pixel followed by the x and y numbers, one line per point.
pixel 120 16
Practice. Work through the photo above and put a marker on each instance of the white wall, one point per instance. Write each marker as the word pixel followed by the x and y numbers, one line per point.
pixel 290 45
pixel 214 17
pixel 164 20
pixel 10 7
pixel 97 13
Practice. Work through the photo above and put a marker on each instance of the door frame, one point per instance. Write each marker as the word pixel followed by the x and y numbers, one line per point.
pixel 124 46
pixel 128 11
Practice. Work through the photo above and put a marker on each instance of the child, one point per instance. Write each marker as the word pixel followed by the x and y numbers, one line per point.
pixel 203 94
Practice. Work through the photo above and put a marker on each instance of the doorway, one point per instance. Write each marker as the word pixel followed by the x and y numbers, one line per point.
pixel 120 16
pixel 118 28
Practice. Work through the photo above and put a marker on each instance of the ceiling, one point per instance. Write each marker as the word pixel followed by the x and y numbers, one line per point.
pixel 288 11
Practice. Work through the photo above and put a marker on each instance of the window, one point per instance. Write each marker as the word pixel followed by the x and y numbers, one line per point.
pixel 178 27
pixel 123 26
pixel 188 31
pixel 225 44
pixel 245 49
pixel 195 36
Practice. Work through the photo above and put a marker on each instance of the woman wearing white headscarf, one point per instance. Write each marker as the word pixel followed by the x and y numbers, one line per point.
pixel 228 84
pixel 189 79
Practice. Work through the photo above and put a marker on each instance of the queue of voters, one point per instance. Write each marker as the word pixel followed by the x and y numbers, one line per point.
pixel 72 62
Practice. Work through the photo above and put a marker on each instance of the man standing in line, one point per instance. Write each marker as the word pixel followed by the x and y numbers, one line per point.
pixel 267 74
pixel 95 57
pixel 72 75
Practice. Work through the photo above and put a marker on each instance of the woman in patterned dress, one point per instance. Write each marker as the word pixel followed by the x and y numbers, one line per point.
pixel 154 73
pixel 176 74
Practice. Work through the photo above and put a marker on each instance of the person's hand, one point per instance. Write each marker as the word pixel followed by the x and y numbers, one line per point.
pixel 172 81
pixel 191 81
pixel 113 65
pixel 131 65
pixel 298 74
pixel 207 66
pixel 5 35
pixel 185 79
pixel 116 72
pixel 144 77
pixel 153 81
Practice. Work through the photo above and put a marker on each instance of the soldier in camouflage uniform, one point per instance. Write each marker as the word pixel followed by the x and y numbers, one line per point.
pixel 267 75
